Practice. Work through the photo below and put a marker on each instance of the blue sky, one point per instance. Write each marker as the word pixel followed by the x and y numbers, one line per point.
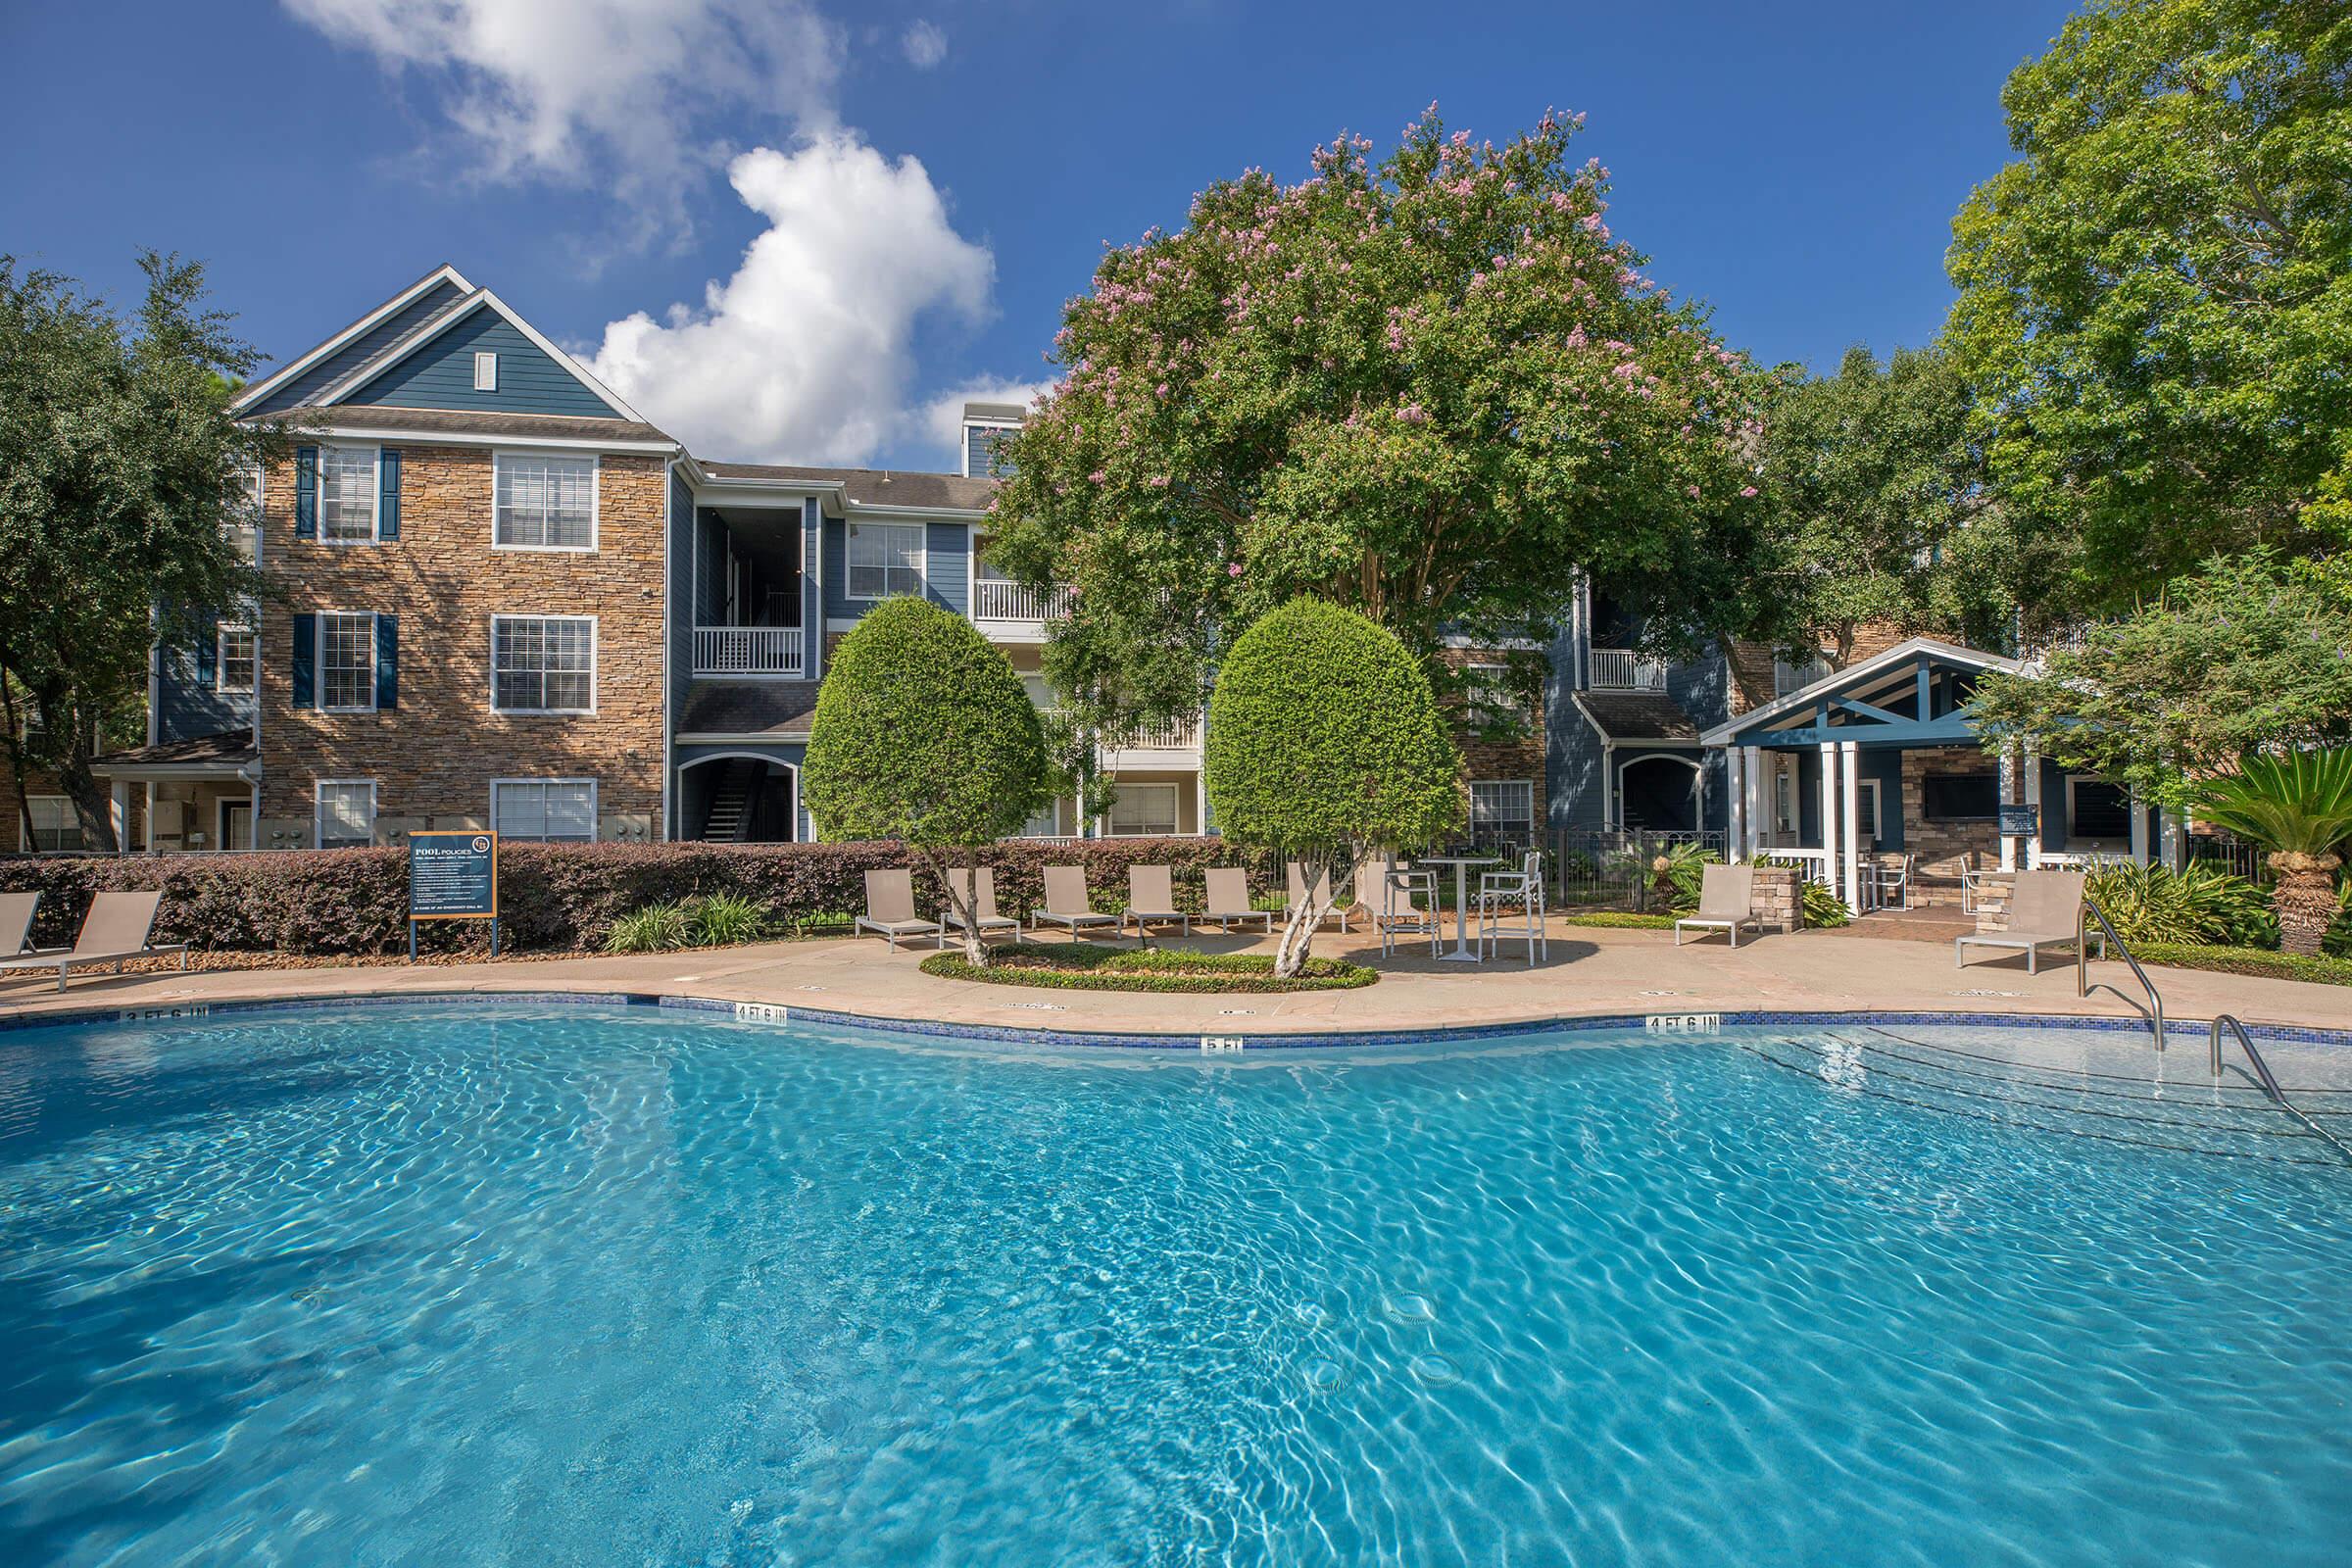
pixel 859 214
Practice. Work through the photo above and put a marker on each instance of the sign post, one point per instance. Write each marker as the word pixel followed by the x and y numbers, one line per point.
pixel 2021 822
pixel 453 876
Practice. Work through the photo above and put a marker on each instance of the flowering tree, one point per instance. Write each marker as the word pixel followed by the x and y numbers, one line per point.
pixel 1432 390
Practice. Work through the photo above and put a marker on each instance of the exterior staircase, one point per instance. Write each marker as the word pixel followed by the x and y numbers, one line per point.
pixel 731 801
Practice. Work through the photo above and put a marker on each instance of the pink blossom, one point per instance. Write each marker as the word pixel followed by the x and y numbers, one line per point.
pixel 1747 491
pixel 1233 568
pixel 1413 413
pixel 1692 491
pixel 1158 481
pixel 1097 476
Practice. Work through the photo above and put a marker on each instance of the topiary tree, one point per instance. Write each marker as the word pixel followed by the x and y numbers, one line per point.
pixel 922 733
pixel 1325 741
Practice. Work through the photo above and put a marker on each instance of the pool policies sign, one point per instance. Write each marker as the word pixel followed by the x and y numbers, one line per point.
pixel 453 876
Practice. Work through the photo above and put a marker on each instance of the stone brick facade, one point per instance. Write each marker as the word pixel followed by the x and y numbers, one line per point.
pixel 1518 757
pixel 434 754
pixel 1945 849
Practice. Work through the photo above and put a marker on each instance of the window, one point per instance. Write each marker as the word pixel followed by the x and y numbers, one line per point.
pixel 55 826
pixel 244 523
pixel 1043 824
pixel 1960 797
pixel 235 660
pixel 542 664
pixel 1491 700
pixel 1866 809
pixel 1783 801
pixel 1502 809
pixel 347 495
pixel 485 372
pixel 885 560
pixel 561 809
pixel 345 813
pixel 1144 811
pixel 2098 809
pixel 545 502
pixel 347 661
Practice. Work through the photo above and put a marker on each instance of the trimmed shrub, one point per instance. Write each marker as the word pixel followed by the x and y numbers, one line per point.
pixel 561 897
pixel 1091 967
pixel 2249 960
pixel 1617 921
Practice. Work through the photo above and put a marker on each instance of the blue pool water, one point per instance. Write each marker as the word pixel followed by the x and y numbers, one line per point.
pixel 458 1286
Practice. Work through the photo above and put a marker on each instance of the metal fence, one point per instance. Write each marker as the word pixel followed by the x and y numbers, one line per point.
pixel 2231 855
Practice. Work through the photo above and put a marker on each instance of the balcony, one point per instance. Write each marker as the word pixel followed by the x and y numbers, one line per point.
pixel 747 649
pixel 997 599
pixel 1621 669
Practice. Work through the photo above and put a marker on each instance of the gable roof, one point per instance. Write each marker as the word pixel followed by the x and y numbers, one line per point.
pixel 431 291
pixel 1639 716
pixel 867 489
pixel 440 322
pixel 1855 679
pixel 465 427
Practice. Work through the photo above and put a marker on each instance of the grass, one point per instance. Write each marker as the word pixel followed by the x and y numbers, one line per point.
pixel 1092 967
pixel 1622 921
pixel 2259 961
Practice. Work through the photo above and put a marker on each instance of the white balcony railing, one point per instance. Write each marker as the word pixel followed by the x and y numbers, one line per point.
pixel 1621 669
pixel 998 600
pixel 1173 735
pixel 747 649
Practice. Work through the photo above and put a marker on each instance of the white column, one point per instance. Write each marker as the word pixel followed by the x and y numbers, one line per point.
pixel 118 816
pixel 1829 863
pixel 2009 797
pixel 2176 839
pixel 2034 798
pixel 1609 813
pixel 1753 780
pixel 2139 830
pixel 1852 805
pixel 1735 778
pixel 147 828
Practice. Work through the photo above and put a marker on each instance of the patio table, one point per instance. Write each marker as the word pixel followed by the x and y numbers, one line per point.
pixel 1461 864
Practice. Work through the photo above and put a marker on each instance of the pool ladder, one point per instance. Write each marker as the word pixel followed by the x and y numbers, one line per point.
pixel 2269 1083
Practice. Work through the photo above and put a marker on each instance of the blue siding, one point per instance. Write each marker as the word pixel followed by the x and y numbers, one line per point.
pixel 812 606
pixel 340 363
pixel 1572 752
pixel 185 707
pixel 836 547
pixel 439 375
pixel 947 566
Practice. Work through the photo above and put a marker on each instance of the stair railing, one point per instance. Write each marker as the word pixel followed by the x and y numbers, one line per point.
pixel 2154 1011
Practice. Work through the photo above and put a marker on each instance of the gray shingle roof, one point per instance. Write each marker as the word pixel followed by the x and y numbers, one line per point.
pixel 873 487
pixel 779 707
pixel 1639 716
pixel 462 422
pixel 231 748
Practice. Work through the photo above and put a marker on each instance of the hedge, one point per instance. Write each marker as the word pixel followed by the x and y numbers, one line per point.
pixel 558 896
pixel 2259 961
pixel 1091 967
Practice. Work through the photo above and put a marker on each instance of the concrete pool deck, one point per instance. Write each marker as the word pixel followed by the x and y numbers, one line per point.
pixel 1591 972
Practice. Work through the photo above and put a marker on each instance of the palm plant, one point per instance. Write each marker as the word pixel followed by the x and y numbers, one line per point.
pixel 2298 806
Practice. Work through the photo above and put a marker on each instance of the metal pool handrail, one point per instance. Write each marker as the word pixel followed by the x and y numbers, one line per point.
pixel 2269 1083
pixel 2154 1011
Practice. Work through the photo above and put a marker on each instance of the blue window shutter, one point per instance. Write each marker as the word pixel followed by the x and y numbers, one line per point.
pixel 208 659
pixel 305 654
pixel 387 508
pixel 306 492
pixel 387 660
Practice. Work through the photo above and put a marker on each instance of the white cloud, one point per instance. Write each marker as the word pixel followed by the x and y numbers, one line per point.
pixel 631 91
pixel 805 354
pixel 925 44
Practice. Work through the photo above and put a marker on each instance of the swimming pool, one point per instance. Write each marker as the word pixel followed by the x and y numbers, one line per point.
pixel 585 1285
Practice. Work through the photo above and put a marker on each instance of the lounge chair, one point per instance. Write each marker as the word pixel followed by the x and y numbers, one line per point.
pixel 15 923
pixel 115 932
pixel 890 906
pixel 2045 908
pixel 1229 897
pixel 980 891
pixel 1152 896
pixel 1071 902
pixel 1727 902
pixel 1331 910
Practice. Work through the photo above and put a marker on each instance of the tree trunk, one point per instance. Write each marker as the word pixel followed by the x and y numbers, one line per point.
pixel 2305 899
pixel 964 900
pixel 92 801
pixel 1299 929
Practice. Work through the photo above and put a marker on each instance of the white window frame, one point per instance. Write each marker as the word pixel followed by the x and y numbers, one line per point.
pixel 485 371
pixel 594 807
pixel 221 636
pixel 254 486
pixel 501 457
pixel 1526 785
pixel 1491 699
pixel 922 562
pixel 375 496
pixel 319 660
pixel 594 652
pixel 1874 809
pixel 318 789
pixel 1127 791
pixel 24 834
pixel 1784 798
pixel 2081 841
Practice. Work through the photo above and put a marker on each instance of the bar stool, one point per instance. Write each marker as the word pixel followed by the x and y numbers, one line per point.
pixel 1500 893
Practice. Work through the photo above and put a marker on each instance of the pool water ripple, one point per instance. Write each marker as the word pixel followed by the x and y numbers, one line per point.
pixel 586 1285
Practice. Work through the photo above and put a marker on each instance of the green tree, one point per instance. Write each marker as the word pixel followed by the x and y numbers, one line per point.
pixel 922 733
pixel 1433 391
pixel 2156 298
pixel 2239 659
pixel 1325 741
pixel 2297 805
pixel 119 485
pixel 1878 508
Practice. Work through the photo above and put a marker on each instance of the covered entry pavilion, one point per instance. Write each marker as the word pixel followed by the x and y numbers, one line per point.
pixel 1876 770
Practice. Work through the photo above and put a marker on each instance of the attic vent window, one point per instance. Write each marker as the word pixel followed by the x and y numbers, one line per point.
pixel 485 372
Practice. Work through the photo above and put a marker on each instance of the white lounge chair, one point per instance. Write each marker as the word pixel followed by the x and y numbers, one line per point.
pixel 2045 909
pixel 15 923
pixel 115 932
pixel 1727 902
pixel 979 888
pixel 1229 897
pixel 1152 896
pixel 1071 902
pixel 1297 891
pixel 890 906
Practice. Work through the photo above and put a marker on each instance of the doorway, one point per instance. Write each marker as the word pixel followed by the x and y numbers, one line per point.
pixel 236 824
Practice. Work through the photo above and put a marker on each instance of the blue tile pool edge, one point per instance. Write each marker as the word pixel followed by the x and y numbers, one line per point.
pixel 783 1015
